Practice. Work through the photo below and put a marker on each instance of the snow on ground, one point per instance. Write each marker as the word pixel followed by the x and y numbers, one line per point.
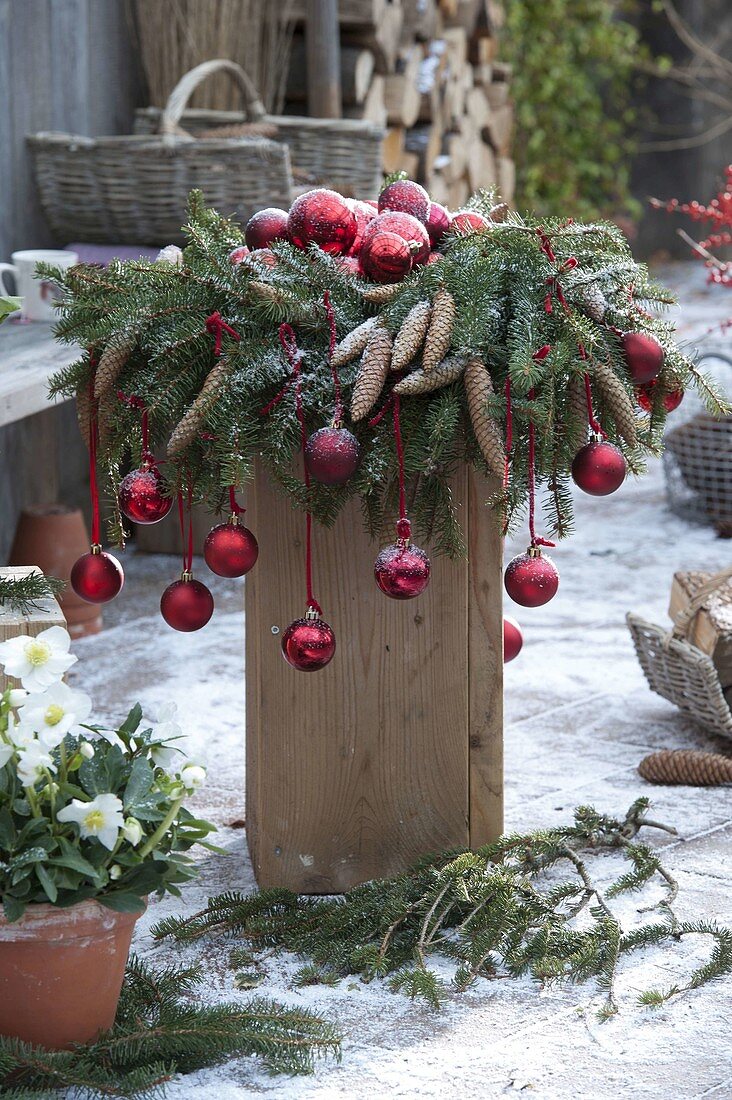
pixel 579 717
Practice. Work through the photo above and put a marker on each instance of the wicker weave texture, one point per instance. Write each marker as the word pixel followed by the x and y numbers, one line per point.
pixel 698 469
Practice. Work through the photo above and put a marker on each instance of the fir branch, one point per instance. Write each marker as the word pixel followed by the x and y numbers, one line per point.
pixel 25 594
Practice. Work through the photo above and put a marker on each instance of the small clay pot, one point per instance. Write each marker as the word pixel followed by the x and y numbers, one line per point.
pixel 61 972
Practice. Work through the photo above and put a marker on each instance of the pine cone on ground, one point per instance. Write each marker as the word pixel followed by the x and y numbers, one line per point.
pixel 372 373
pixel 420 381
pixel 618 402
pixel 478 389
pixel 354 343
pixel 687 767
pixel 192 421
pixel 577 425
pixel 384 292
pixel 411 335
pixel 112 362
pixel 439 334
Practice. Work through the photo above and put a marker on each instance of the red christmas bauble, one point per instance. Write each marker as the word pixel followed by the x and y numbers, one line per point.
pixel 407 196
pixel 405 226
pixel 97 577
pixel 469 221
pixel 644 356
pixel 238 254
pixel 402 572
pixel 599 468
pixel 645 396
pixel 266 226
pixel 434 258
pixel 351 264
pixel 230 549
pixel 265 256
pixel 386 258
pixel 438 222
pixel 332 455
pixel 142 495
pixel 531 579
pixel 513 639
pixel 364 214
pixel 322 217
pixel 186 605
pixel 308 644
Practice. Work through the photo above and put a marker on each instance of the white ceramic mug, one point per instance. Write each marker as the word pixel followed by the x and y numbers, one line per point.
pixel 38 294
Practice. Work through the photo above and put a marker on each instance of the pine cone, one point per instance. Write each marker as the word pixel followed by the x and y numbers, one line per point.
pixel 687 767
pixel 354 343
pixel 372 373
pixel 618 403
pixel 384 292
pixel 420 381
pixel 112 361
pixel 439 333
pixel 594 302
pixel 478 389
pixel 83 409
pixel 191 423
pixel 577 424
pixel 411 335
pixel 266 292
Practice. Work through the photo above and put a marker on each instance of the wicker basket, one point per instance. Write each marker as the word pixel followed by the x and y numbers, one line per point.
pixel 678 670
pixel 133 189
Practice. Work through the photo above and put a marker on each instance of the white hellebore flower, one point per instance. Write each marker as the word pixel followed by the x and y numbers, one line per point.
pixel 102 818
pixel 54 713
pixel 115 872
pixel 166 728
pixel 6 751
pixel 87 750
pixel 38 662
pixel 18 697
pixel 33 760
pixel 193 776
pixel 132 831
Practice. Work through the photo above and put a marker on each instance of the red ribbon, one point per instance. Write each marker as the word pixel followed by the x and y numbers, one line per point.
pixel 536 540
pixel 509 431
pixel 236 509
pixel 404 527
pixel 93 444
pixel 594 423
pixel 338 405
pixel 217 326
pixel 137 403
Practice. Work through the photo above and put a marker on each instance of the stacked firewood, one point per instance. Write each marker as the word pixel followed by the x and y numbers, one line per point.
pixel 429 72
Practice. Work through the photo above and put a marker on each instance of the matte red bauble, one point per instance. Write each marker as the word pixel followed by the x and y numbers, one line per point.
pixel 266 226
pixel 531 579
pixel 405 226
pixel 332 455
pixel 386 258
pixel 599 468
pixel 402 572
pixel 308 644
pixel 469 221
pixel 230 549
pixel 322 217
pixel 644 356
pixel 364 214
pixel 407 196
pixel 186 604
pixel 513 639
pixel 97 577
pixel 645 396
pixel 238 254
pixel 438 222
pixel 142 495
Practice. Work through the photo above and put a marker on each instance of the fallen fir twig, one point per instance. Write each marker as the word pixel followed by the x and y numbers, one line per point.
pixel 24 594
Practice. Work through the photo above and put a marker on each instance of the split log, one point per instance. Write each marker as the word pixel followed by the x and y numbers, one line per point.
pixel 392 149
pixel 357 68
pixel 373 108
pixel 401 92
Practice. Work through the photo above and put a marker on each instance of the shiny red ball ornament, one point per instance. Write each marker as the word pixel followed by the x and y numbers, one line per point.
pixel 469 221
pixel 351 264
pixel 266 226
pixel 308 644
pixel 645 396
pixel 332 455
pixel 643 355
pixel 438 222
pixel 406 196
pixel 97 577
pixel 386 258
pixel 230 549
pixel 405 226
pixel 402 571
pixel 513 639
pixel 599 468
pixel 531 579
pixel 364 214
pixel 186 604
pixel 142 495
pixel 322 217
pixel 238 254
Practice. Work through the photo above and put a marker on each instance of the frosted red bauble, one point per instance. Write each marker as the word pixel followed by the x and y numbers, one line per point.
pixel 643 355
pixel 531 580
pixel 266 226
pixel 407 196
pixel 308 644
pixel 230 550
pixel 645 396
pixel 405 226
pixel 97 578
pixel 469 221
pixel 434 258
pixel 599 468
pixel 322 217
pixel 142 496
pixel 238 254
pixel 351 264
pixel 265 256
pixel 364 214
pixel 386 258
pixel 438 222
pixel 186 605
pixel 513 639
pixel 332 455
pixel 402 572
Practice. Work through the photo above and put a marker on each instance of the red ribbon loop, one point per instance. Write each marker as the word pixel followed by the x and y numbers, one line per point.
pixel 236 509
pixel 135 402
pixel 217 326
pixel 536 540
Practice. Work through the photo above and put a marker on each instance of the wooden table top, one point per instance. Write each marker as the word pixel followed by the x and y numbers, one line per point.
pixel 29 355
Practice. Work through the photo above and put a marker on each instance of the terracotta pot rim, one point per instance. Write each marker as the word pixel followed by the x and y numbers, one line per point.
pixel 84 919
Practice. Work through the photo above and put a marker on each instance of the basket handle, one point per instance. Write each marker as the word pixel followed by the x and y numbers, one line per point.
pixel 186 86
pixel 686 616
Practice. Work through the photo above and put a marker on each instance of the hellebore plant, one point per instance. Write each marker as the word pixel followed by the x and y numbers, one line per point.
pixel 86 812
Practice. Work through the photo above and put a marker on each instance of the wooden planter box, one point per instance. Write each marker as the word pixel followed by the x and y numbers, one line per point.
pixel 395 749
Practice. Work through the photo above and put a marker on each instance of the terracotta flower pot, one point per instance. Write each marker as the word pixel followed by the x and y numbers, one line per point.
pixel 61 972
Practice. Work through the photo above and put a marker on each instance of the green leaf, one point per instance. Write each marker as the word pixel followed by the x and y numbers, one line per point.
pixel 13 908
pixel 9 305
pixel 139 785
pixel 31 855
pixel 122 902
pixel 131 722
pixel 74 861
pixel 49 886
